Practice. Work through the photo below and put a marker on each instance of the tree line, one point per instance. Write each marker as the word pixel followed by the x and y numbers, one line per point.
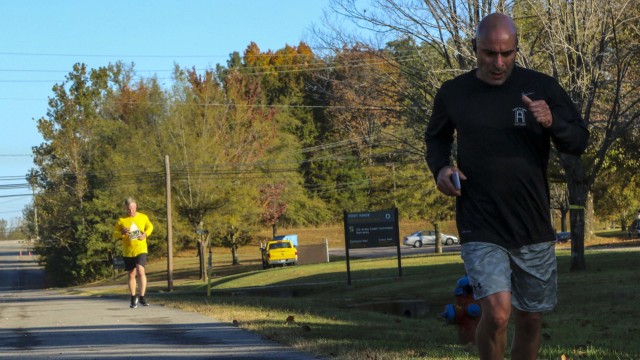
pixel 293 137
pixel 11 230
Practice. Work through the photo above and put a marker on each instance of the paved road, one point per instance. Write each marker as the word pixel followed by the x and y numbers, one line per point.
pixel 18 268
pixel 49 324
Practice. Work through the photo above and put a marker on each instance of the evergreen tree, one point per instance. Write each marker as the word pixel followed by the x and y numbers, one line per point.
pixel 73 245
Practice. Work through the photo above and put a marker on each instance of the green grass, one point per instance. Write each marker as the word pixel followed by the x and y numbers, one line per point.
pixel 596 317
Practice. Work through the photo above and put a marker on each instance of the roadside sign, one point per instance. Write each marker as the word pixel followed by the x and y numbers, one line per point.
pixel 118 263
pixel 371 229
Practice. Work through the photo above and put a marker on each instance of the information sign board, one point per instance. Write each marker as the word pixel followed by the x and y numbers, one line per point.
pixel 371 229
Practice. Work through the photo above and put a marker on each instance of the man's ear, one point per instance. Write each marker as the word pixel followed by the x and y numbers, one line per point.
pixel 474 46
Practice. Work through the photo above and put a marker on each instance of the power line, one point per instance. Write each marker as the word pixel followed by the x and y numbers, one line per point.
pixel 67 71
pixel 10 178
pixel 15 195
pixel 10 212
pixel 233 174
pixel 231 168
pixel 276 106
pixel 247 70
pixel 109 55
pixel 271 54
pixel 14 186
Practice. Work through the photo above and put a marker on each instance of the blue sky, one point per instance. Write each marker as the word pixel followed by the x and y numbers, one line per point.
pixel 40 41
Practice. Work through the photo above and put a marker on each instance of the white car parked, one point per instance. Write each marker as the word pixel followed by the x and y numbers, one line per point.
pixel 419 238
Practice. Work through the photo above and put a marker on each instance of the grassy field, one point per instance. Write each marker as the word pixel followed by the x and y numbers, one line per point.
pixel 313 309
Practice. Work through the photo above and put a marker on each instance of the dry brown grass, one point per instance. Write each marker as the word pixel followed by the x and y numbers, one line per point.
pixel 186 262
pixel 607 239
pixel 335 233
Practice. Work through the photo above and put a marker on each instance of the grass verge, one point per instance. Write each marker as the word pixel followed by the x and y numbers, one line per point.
pixel 311 308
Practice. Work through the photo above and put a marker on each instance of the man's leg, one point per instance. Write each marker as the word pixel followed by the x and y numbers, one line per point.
pixel 526 339
pixel 132 288
pixel 534 269
pixel 143 279
pixel 491 333
pixel 132 282
pixel 489 270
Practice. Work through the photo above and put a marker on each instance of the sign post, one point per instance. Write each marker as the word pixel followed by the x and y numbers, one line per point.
pixel 371 229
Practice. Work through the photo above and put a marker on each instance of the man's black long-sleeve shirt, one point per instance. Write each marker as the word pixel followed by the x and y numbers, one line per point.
pixel 504 153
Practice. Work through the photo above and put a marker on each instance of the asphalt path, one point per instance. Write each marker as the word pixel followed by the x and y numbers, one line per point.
pixel 37 323
pixel 18 268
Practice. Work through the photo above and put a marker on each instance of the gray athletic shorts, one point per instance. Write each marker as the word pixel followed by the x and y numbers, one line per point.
pixel 529 273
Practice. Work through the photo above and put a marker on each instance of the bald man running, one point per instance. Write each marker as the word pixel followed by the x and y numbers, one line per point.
pixel 505 118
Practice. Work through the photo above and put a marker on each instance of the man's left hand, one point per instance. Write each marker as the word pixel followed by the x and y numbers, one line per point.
pixel 540 111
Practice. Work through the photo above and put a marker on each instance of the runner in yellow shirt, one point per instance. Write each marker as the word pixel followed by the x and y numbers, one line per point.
pixel 133 230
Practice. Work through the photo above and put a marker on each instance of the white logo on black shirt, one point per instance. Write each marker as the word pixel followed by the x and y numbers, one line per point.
pixel 519 119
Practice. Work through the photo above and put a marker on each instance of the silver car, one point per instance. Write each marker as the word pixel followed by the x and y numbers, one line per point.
pixel 419 238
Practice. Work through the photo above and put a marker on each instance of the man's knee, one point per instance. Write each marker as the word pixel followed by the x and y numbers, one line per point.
pixel 496 310
pixel 529 319
pixel 140 270
pixel 495 319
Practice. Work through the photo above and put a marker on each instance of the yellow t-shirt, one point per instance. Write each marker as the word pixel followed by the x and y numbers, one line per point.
pixel 133 247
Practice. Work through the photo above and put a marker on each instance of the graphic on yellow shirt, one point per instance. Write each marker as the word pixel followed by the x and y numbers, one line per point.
pixel 134 232
pixel 132 246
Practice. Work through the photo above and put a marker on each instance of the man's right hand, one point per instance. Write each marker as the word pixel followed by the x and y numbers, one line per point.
pixel 444 183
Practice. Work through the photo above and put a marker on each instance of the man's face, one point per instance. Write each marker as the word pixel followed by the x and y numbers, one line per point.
pixel 496 54
pixel 131 209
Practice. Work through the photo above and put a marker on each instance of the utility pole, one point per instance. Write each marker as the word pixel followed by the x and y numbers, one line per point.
pixel 167 174
pixel 35 211
pixel 32 180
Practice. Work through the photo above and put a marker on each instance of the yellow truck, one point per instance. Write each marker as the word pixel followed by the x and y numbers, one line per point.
pixel 279 253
